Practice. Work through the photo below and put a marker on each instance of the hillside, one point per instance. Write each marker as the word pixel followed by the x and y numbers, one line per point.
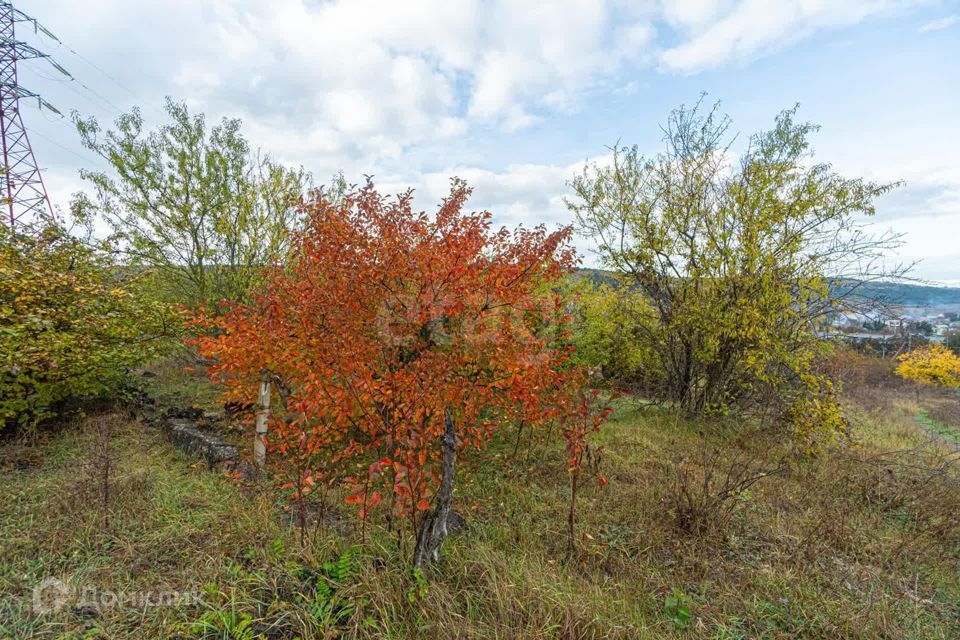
pixel 859 543
pixel 899 293
pixel 914 295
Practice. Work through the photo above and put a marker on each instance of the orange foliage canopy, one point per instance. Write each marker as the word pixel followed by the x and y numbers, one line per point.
pixel 385 319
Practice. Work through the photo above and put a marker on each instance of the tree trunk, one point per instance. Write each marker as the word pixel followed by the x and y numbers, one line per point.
pixel 433 526
pixel 263 415
pixel 572 515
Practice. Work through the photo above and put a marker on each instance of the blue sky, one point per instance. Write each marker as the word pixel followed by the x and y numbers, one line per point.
pixel 514 96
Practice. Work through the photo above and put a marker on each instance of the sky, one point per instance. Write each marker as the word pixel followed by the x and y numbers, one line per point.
pixel 514 96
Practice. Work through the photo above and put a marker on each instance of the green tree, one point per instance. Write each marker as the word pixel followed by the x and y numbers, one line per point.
pixel 605 329
pixel 735 258
pixel 953 341
pixel 197 207
pixel 923 327
pixel 71 323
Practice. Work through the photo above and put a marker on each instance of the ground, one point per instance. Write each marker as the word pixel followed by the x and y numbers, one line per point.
pixel 862 541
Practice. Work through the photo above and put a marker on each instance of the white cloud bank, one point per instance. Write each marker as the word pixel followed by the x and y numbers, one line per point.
pixel 369 79
pixel 395 88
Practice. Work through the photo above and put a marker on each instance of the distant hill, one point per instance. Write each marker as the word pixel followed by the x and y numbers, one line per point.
pixel 913 295
pixel 899 293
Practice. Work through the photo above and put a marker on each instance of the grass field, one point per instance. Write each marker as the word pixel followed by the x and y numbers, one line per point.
pixel 862 542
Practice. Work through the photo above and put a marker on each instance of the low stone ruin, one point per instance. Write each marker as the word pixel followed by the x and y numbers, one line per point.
pixel 187 436
pixel 185 428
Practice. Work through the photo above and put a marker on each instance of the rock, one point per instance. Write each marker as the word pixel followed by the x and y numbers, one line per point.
pixel 213 417
pixel 148 374
pixel 189 438
pixel 188 413
pixel 141 405
pixel 456 523
pixel 86 611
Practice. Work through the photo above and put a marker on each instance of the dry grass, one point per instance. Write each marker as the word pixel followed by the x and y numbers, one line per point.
pixel 862 542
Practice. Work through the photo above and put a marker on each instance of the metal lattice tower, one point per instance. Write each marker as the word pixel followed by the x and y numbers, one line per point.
pixel 23 192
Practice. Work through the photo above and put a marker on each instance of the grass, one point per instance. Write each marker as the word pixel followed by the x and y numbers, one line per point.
pixel 946 431
pixel 854 544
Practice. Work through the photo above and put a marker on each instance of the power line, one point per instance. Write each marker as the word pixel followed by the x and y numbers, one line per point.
pixel 64 147
pixel 143 103
pixel 43 30
pixel 104 104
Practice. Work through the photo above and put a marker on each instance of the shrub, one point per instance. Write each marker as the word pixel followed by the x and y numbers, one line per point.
pixel 608 330
pixel 933 364
pixel 705 488
pixel 738 260
pixel 71 324
pixel 400 341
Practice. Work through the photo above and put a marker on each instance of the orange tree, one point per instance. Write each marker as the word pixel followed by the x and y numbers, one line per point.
pixel 400 340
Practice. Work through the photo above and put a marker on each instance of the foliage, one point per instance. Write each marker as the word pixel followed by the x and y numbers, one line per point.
pixel 71 323
pixel 585 414
pixel 923 327
pixel 605 331
pixel 390 332
pixel 734 258
pixel 677 606
pixel 196 206
pixel 224 624
pixel 933 364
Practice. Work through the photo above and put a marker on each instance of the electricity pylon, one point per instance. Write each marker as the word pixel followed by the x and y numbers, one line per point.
pixel 23 192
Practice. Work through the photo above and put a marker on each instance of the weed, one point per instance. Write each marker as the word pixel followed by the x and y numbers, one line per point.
pixel 678 608
pixel 224 624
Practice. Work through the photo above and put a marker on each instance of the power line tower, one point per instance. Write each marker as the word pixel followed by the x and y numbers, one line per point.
pixel 23 192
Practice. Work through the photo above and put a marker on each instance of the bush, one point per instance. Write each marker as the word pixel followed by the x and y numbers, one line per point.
pixel 705 488
pixel 609 330
pixel 737 261
pixel 933 364
pixel 71 324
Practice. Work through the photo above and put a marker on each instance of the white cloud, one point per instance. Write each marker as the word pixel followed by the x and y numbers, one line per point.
pixel 520 194
pixel 410 71
pixel 420 90
pixel 940 23
pixel 719 32
pixel 371 79
pixel 693 14
pixel 525 193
